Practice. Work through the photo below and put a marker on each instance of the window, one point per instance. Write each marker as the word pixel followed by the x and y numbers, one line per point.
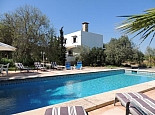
pixel 74 39
pixel 70 53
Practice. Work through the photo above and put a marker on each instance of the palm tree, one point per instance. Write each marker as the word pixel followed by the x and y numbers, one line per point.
pixel 141 24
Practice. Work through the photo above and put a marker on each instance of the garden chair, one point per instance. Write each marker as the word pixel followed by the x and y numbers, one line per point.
pixel 1 69
pixel 5 68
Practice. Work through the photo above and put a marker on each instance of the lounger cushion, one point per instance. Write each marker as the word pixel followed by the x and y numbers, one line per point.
pixel 126 97
pixel 121 98
pixel 70 110
pixel 131 95
pixel 144 105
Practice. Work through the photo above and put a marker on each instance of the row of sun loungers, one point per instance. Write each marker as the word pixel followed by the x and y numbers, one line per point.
pixel 54 65
pixel 67 66
pixel 136 103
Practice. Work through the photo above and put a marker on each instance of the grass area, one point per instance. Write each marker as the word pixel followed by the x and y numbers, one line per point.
pixel 11 68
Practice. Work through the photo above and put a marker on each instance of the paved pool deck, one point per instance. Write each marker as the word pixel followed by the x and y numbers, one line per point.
pixel 90 103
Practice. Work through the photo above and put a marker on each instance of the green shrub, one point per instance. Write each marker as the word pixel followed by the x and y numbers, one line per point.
pixel 6 61
pixel 143 65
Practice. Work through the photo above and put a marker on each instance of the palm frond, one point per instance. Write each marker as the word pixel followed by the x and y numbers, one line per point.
pixel 140 24
pixel 152 38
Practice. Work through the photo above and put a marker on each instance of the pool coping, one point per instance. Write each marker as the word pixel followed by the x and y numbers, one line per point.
pixel 39 78
pixel 97 101
pixel 55 74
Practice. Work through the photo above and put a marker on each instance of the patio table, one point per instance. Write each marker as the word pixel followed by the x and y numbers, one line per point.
pixel 48 65
pixel 60 67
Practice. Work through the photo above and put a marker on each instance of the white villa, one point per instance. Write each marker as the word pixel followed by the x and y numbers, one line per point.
pixel 81 37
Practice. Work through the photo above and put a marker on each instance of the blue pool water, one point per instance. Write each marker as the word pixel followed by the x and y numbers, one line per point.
pixel 23 95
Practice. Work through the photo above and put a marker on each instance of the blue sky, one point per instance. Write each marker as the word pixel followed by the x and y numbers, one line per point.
pixel 101 14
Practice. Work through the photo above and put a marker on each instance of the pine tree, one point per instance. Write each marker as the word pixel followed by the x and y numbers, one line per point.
pixel 62 56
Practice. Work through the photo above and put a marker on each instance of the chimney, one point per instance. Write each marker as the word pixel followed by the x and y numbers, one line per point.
pixel 85 26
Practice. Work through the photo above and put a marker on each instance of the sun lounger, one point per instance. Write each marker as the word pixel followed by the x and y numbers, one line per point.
pixel 68 66
pixel 21 67
pixel 54 65
pixel 69 110
pixel 136 103
pixel 124 98
pixel 79 65
pixel 142 106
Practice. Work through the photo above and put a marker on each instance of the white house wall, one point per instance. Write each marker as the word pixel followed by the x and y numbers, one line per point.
pixel 91 39
pixel 69 37
pixel 84 38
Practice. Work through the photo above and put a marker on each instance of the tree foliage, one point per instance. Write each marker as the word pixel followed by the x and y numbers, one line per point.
pixel 90 57
pixel 81 53
pixel 150 56
pixel 141 24
pixel 150 51
pixel 62 53
pixel 118 50
pixel 97 57
pixel 137 56
pixel 29 31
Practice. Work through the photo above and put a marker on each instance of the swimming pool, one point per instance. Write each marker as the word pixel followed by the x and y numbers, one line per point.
pixel 22 95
